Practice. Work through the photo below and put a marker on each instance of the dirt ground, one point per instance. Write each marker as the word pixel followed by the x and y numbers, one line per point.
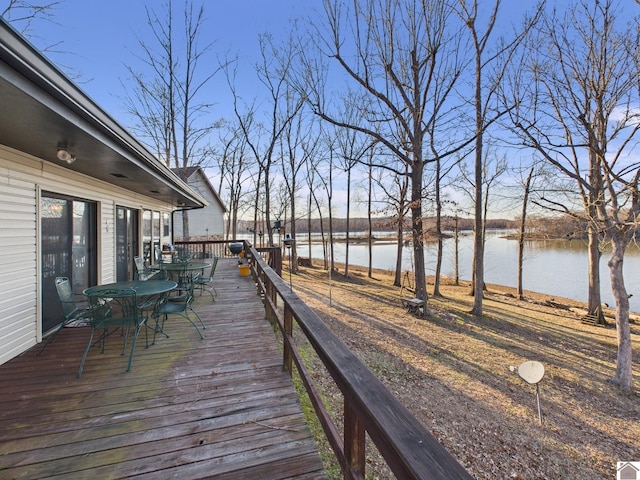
pixel 451 370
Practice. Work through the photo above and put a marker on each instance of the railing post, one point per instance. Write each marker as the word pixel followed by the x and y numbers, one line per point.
pixel 276 260
pixel 354 443
pixel 287 334
pixel 269 295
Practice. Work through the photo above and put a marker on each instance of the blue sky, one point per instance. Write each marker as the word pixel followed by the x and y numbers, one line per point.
pixel 96 39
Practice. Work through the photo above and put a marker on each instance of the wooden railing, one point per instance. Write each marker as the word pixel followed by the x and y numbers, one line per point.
pixel 408 448
pixel 220 248
pixel 204 249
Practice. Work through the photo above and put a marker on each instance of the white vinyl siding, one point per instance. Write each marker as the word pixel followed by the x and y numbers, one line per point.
pixel 21 178
pixel 17 265
pixel 203 222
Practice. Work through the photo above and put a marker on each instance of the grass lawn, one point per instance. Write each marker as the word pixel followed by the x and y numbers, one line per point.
pixel 451 370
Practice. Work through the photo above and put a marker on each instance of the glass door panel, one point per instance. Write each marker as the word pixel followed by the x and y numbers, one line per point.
pixel 68 249
pixel 126 242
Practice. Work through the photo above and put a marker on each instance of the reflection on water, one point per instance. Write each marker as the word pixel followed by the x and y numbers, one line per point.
pixel 553 267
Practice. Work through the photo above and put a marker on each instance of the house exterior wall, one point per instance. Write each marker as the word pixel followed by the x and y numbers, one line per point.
pixel 211 217
pixel 22 179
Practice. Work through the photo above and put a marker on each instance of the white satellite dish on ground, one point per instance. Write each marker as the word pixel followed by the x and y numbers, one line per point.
pixel 531 372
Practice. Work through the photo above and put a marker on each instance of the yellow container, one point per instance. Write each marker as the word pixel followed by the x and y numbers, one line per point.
pixel 244 270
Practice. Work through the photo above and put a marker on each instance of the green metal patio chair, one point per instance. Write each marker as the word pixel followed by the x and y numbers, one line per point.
pixel 142 272
pixel 113 309
pixel 72 312
pixel 177 305
pixel 158 254
pixel 205 282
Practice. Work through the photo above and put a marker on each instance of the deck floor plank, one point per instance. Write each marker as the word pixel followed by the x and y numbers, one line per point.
pixel 221 407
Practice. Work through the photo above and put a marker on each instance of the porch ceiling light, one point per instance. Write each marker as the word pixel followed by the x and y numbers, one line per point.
pixel 65 156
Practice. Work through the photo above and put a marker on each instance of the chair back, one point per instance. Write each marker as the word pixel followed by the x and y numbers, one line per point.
pixel 142 272
pixel 183 254
pixel 158 254
pixel 185 284
pixel 65 295
pixel 214 263
pixel 115 307
pixel 139 261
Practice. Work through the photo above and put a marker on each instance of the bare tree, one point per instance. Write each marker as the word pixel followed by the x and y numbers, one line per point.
pixel 395 189
pixel 165 92
pixel 442 171
pixel 493 166
pixel 522 231
pixel 281 105
pixel 164 98
pixel 485 88
pixel 233 164
pixel 22 14
pixel 314 182
pixel 352 147
pixel 299 143
pixel 578 109
pixel 401 58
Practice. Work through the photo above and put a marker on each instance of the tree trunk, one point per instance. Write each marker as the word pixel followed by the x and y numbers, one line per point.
pixel 309 227
pixel 478 230
pixel 332 265
pixel 594 300
pixel 267 202
pixel 292 229
pixel 623 376
pixel 370 223
pixel 436 280
pixel 456 236
pixel 322 238
pixel 417 230
pixel 346 246
pixel 397 279
pixel 523 224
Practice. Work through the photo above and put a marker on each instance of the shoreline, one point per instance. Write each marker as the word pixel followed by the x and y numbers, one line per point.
pixel 555 301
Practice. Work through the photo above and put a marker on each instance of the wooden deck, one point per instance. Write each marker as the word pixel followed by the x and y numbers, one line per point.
pixel 219 408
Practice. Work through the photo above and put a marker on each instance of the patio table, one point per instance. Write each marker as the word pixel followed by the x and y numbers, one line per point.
pixel 151 289
pixel 180 266
pixel 175 269
pixel 144 288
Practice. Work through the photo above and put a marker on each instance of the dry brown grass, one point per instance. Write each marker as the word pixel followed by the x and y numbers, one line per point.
pixel 452 371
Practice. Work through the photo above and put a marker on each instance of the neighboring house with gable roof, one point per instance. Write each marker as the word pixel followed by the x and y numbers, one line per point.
pixel 207 222
pixel 80 197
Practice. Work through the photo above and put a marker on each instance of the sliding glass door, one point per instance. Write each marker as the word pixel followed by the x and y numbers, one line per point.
pixel 69 249
pixel 127 242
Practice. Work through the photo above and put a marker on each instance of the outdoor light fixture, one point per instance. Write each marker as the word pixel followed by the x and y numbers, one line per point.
pixel 64 155
pixel 288 242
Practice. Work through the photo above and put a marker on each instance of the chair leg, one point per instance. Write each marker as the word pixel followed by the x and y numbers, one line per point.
pixel 198 316
pixel 86 351
pixel 211 291
pixel 159 328
pixel 50 338
pixel 186 315
pixel 126 340
pixel 133 344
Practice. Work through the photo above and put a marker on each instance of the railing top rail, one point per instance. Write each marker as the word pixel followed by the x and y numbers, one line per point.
pixel 407 446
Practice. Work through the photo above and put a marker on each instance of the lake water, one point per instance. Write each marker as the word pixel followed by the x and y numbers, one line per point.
pixel 551 267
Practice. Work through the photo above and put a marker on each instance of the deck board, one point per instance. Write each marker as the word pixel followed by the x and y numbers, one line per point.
pixel 220 407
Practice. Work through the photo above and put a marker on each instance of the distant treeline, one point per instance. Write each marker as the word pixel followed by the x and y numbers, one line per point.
pixel 563 227
pixel 380 224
